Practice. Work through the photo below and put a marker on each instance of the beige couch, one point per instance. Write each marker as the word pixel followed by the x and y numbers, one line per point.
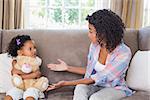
pixel 72 47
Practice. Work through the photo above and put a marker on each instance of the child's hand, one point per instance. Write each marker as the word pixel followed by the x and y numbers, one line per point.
pixel 32 75
pixel 58 67
pixel 16 71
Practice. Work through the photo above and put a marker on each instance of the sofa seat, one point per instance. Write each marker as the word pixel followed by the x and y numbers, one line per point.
pixel 64 94
pixel 140 95
pixel 67 94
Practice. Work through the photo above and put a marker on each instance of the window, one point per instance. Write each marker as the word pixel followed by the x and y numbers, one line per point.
pixel 146 13
pixel 54 14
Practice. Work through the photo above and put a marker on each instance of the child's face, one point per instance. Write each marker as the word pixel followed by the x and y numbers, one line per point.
pixel 28 49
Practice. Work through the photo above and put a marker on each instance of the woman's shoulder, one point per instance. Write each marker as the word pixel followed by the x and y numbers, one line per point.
pixel 125 47
pixel 93 45
pixel 122 49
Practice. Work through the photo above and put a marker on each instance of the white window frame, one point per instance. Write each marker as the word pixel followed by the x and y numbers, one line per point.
pixel 99 4
pixel 146 13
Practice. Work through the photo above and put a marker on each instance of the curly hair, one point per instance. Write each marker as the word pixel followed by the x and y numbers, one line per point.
pixel 16 44
pixel 109 28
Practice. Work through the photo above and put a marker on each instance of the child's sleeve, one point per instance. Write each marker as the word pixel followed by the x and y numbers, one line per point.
pixel 39 61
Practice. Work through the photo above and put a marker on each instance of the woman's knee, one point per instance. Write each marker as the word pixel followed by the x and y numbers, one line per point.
pixel 94 97
pixel 80 88
pixel 80 92
pixel 107 94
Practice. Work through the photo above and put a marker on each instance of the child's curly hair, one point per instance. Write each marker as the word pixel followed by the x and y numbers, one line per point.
pixel 109 28
pixel 16 44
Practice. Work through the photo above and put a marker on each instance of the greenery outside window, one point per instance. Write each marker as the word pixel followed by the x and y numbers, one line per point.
pixel 60 14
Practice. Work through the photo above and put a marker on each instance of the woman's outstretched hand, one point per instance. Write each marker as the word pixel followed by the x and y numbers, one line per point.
pixel 62 66
pixel 56 85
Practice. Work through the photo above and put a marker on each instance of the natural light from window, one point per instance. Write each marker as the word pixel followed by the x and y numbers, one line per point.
pixel 146 13
pixel 66 14
pixel 60 14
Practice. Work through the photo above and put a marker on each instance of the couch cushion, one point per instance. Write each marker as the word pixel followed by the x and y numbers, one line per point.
pixel 140 95
pixel 5 67
pixel 131 39
pixel 60 96
pixel 66 93
pixel 69 45
pixel 144 38
pixel 139 71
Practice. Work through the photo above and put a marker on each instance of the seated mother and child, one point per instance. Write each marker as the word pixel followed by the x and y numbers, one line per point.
pixel 108 60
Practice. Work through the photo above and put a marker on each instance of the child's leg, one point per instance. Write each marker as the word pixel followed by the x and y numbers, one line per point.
pixel 41 83
pixel 8 98
pixel 14 94
pixel 29 98
pixel 31 93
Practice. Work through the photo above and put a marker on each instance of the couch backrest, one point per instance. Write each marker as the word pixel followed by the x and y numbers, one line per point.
pixel 131 39
pixel 68 45
pixel 144 38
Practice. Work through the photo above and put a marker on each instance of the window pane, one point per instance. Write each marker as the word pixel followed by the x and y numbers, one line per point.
pixel 71 16
pixel 146 14
pixel 84 13
pixel 37 3
pixel 55 15
pixel 71 3
pixel 59 13
pixel 54 2
pixel 88 3
pixel 37 17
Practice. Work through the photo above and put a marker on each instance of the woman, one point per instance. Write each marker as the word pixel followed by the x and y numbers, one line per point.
pixel 108 61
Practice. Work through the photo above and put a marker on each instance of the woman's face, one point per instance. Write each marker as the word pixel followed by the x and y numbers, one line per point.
pixel 92 33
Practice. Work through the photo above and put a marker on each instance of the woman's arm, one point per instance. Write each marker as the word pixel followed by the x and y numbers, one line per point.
pixel 64 67
pixel 80 81
pixel 77 70
pixel 70 83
